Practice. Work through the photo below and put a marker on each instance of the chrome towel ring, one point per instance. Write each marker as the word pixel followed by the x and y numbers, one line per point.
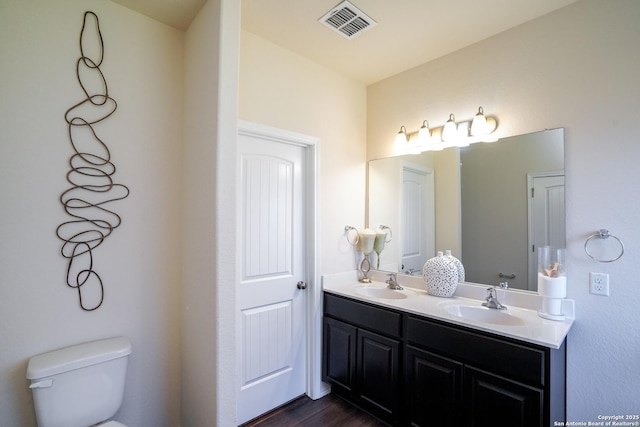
pixel 603 234
pixel 348 233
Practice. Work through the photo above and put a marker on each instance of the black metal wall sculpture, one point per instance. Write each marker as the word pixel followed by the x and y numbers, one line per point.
pixel 91 172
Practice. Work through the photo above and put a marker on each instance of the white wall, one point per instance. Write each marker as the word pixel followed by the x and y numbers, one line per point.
pixel 208 348
pixel 139 262
pixel 576 68
pixel 284 90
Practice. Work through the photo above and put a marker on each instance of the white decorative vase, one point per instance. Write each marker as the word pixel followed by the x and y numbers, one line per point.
pixel 458 264
pixel 440 275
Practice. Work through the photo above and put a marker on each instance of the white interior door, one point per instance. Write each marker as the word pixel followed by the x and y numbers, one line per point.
pixel 417 222
pixel 271 305
pixel 547 222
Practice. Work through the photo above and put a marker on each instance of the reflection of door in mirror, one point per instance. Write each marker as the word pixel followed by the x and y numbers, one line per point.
pixel 417 224
pixel 386 202
pixel 546 217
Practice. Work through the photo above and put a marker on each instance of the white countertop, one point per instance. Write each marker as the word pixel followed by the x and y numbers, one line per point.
pixel 524 305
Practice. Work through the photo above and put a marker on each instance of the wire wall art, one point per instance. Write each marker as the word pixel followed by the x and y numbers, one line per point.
pixel 91 173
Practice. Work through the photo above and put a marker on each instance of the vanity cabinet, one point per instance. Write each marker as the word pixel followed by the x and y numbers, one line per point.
pixel 413 370
pixel 497 381
pixel 362 351
pixel 433 389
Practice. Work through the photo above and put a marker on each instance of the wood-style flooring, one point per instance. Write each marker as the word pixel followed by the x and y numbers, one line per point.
pixel 325 412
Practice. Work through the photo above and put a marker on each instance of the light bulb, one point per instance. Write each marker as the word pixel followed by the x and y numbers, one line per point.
pixel 401 137
pixel 450 129
pixel 479 124
pixel 424 134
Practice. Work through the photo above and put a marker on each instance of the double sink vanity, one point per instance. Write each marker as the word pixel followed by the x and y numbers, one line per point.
pixel 414 359
pixel 411 358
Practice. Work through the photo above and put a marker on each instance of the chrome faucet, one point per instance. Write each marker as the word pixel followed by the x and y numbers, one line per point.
pixel 392 282
pixel 492 300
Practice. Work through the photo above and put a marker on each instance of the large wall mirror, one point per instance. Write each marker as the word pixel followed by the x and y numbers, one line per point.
pixel 491 204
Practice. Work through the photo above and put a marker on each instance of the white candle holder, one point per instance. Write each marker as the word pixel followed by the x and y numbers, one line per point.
pixel 366 240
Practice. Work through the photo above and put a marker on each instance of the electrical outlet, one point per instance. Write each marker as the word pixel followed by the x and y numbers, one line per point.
pixel 599 284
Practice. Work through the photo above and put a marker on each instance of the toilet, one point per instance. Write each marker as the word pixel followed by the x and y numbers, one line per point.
pixel 81 385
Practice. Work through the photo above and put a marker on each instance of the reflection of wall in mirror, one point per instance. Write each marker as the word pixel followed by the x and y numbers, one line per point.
pixel 384 206
pixel 447 174
pixel 494 194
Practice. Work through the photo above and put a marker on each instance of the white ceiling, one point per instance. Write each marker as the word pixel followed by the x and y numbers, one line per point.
pixel 408 33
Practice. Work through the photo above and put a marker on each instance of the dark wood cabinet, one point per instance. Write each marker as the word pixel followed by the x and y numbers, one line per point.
pixel 378 373
pixel 504 381
pixel 491 400
pixel 433 389
pixel 412 370
pixel 340 354
pixel 363 364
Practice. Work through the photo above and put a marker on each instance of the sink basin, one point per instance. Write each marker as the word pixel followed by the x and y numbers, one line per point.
pixel 484 314
pixel 384 293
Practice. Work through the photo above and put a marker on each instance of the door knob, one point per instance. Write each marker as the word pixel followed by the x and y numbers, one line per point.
pixel 301 285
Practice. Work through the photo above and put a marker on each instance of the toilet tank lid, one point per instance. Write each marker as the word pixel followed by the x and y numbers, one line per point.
pixel 77 356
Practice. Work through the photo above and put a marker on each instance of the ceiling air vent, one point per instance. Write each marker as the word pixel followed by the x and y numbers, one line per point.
pixel 347 20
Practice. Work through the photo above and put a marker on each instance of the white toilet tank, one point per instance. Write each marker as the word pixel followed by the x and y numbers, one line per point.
pixel 81 385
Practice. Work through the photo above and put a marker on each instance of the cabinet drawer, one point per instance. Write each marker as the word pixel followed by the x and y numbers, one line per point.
pixel 367 316
pixel 512 360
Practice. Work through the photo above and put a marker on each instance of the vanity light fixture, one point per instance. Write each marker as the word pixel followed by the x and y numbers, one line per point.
pixel 401 137
pixel 424 134
pixel 483 126
pixel 479 125
pixel 402 140
pixel 425 140
pixel 450 130
pixel 421 140
pixel 452 134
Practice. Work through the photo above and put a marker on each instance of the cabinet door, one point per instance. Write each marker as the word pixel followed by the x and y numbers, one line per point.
pixel 494 401
pixel 338 366
pixel 433 389
pixel 378 373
